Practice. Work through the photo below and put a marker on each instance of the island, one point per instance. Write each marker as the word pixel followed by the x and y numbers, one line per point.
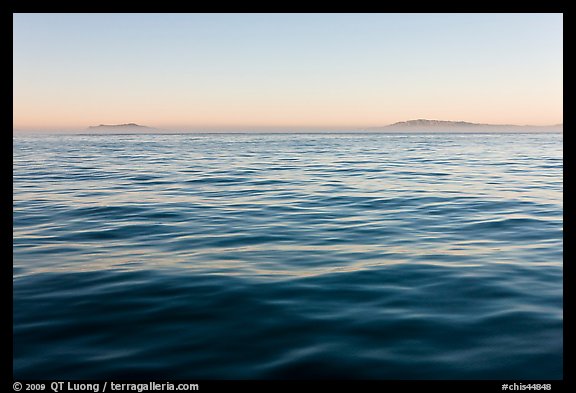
pixel 120 128
pixel 425 125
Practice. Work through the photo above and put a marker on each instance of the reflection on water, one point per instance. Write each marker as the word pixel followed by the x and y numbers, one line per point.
pixel 288 256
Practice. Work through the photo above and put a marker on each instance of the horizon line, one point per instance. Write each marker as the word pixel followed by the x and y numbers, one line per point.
pixel 270 128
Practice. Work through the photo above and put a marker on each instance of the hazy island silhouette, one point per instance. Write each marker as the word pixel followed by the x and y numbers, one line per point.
pixel 425 125
pixel 126 127
pixel 409 126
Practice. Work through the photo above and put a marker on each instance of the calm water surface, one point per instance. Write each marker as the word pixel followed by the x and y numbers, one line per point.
pixel 288 256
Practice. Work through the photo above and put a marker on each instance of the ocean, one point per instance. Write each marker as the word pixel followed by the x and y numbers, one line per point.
pixel 288 256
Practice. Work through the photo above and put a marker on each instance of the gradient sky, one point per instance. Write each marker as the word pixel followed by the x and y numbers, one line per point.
pixel 241 71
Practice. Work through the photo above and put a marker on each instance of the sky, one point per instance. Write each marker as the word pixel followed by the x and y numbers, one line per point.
pixel 285 71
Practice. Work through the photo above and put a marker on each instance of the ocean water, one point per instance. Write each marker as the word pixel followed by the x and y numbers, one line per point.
pixel 263 256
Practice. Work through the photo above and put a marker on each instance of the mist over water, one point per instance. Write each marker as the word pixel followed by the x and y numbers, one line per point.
pixel 261 256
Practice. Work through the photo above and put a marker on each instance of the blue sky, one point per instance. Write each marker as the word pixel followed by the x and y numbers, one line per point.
pixel 228 71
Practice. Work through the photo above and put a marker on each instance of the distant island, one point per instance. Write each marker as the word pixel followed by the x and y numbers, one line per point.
pixel 409 126
pixel 425 125
pixel 120 128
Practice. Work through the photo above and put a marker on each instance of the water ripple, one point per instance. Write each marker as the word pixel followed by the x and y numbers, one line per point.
pixel 288 256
